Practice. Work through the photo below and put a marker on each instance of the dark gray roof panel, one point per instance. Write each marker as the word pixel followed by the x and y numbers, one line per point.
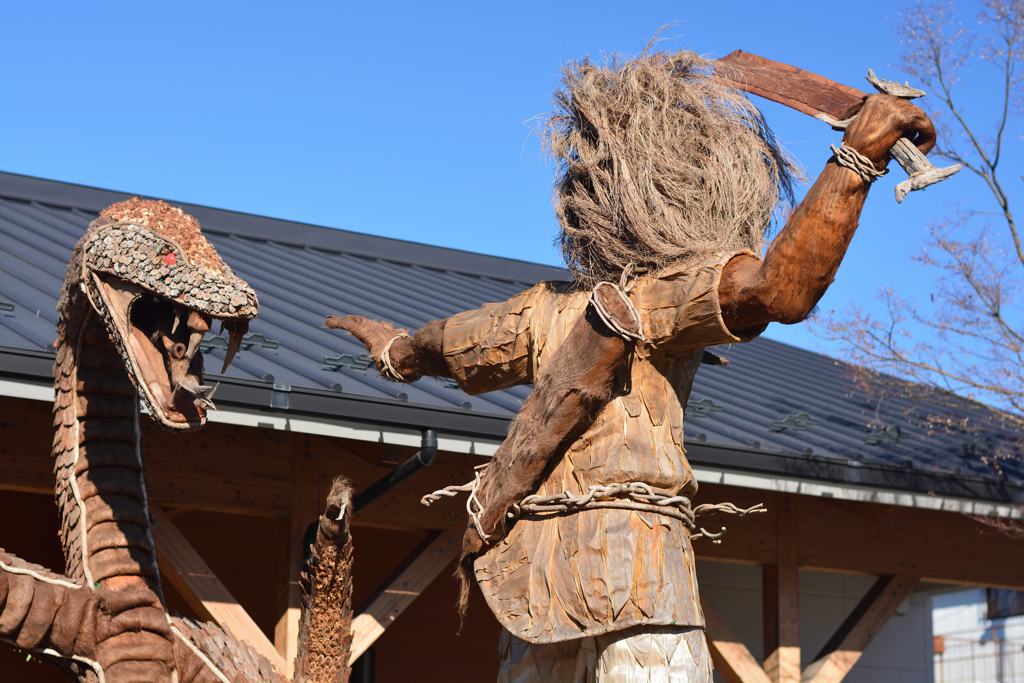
pixel 768 381
pixel 87 201
pixel 303 273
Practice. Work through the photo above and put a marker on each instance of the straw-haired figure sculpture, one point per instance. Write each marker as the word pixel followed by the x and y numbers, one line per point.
pixel 668 182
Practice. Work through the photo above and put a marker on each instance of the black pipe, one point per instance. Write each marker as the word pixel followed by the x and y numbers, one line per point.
pixel 423 458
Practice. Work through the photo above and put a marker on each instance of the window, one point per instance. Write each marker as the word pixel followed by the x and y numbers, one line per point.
pixel 1004 603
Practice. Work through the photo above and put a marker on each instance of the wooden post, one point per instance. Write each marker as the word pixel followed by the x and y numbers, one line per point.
pixel 201 588
pixel 865 621
pixel 305 509
pixel 403 586
pixel 781 591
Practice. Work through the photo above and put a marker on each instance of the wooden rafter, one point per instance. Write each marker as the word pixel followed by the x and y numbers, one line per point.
pixel 403 586
pixel 847 644
pixel 201 588
pixel 731 657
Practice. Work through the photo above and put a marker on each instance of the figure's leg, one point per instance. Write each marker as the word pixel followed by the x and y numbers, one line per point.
pixel 660 653
pixel 570 661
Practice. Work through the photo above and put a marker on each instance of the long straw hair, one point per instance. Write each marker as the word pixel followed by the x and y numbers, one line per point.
pixel 659 162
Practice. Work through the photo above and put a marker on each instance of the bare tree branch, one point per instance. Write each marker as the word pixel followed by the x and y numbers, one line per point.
pixel 967 341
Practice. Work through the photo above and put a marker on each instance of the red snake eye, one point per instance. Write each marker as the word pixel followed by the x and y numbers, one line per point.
pixel 170 259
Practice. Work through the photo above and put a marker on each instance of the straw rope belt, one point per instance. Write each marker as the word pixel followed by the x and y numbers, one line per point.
pixel 636 496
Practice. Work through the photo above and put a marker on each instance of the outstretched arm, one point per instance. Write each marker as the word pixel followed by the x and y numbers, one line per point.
pixel 412 357
pixel 484 349
pixel 803 259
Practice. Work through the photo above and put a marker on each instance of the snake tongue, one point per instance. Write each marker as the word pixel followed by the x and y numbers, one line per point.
pixel 179 368
pixel 197 391
pixel 193 387
pixel 207 399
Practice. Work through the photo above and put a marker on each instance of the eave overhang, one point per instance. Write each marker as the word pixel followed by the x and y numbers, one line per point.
pixel 27 374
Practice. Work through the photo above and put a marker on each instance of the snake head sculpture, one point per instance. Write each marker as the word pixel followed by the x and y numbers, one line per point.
pixel 158 285
pixel 143 288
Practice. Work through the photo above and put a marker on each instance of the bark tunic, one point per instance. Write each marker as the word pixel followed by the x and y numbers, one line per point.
pixel 569 576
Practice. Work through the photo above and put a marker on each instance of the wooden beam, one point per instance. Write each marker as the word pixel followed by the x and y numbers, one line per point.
pixel 871 539
pixel 781 593
pixel 865 621
pixel 201 588
pixel 770 609
pixel 732 659
pixel 247 470
pixel 306 505
pixel 403 586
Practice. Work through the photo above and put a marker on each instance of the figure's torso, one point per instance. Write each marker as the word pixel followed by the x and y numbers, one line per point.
pixel 638 436
pixel 565 576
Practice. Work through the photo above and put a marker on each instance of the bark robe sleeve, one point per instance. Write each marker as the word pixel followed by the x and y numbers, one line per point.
pixel 680 307
pixel 490 348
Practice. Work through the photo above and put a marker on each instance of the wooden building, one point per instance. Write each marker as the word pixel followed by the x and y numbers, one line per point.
pixel 857 496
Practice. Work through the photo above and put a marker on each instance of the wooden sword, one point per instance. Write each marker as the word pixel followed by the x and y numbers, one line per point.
pixel 827 100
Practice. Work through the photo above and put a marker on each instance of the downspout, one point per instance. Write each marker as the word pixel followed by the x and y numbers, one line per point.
pixel 423 458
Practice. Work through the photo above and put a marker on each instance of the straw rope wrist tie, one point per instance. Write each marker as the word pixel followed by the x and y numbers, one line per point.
pixel 857 162
pixel 387 369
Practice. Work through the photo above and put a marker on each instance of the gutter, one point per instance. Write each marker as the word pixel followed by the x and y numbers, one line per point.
pixel 36 368
pixel 852 472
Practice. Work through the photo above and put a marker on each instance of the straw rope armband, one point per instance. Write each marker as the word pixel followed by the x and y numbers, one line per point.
pixel 610 319
pixel 387 369
pixel 857 162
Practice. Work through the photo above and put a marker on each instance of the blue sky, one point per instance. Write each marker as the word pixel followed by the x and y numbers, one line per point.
pixel 409 120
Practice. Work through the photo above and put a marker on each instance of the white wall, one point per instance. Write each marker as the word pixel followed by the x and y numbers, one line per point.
pixel 901 652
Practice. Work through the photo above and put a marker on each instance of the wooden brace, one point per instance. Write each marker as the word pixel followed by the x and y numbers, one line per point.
pixel 201 588
pixel 736 664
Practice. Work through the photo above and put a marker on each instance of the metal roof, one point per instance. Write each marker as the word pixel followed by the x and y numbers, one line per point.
pixel 774 409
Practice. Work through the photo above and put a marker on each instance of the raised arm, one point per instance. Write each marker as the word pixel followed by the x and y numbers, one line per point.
pixel 802 260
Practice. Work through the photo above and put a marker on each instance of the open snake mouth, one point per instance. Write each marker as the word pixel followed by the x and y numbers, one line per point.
pixel 159 340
